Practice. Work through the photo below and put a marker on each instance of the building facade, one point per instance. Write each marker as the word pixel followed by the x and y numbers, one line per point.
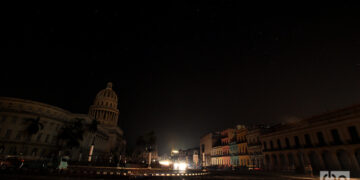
pixel 16 115
pixel 254 147
pixel 190 156
pixel 328 141
pixel 206 143
pixel 230 150
pixel 241 132
pixel 234 154
pixel 216 154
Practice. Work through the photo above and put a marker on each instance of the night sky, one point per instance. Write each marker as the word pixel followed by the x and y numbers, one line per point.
pixel 184 69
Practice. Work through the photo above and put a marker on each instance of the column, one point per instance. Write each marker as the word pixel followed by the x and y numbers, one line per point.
pixel 353 161
pixel 286 165
pixel 321 161
pixel 336 162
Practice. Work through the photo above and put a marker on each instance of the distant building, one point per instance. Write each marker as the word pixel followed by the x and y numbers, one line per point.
pixel 230 148
pixel 241 141
pixel 164 157
pixel 328 141
pixel 206 143
pixel 254 147
pixel 190 156
pixel 216 154
pixel 14 112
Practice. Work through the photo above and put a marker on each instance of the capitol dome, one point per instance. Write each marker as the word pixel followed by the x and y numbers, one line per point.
pixel 106 97
pixel 104 108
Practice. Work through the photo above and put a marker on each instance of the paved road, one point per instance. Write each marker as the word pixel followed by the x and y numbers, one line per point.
pixel 242 177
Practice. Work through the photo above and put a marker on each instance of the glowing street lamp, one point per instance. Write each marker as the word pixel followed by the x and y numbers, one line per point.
pixel 91 150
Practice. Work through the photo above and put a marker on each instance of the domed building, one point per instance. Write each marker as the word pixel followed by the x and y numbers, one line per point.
pixel 109 138
pixel 104 108
pixel 16 114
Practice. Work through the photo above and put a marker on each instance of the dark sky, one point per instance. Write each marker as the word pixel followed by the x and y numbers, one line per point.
pixel 183 69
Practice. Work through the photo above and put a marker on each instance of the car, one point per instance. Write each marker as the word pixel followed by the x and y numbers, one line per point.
pixel 11 162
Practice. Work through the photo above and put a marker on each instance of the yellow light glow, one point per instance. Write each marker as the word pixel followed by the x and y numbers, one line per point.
pixel 165 163
pixel 180 166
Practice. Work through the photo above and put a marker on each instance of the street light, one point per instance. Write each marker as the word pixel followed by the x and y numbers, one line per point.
pixel 91 150
pixel 149 151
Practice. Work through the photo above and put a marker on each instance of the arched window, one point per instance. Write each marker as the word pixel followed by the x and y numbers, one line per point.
pixel 287 143
pixel 279 144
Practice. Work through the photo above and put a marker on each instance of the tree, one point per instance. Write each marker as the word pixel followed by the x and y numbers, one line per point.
pixel 93 128
pixel 71 134
pixel 34 126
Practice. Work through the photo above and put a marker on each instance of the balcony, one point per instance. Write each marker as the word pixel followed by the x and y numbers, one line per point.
pixel 335 143
pixel 240 141
pixel 321 144
pixel 354 141
pixel 308 146
pixel 216 155
pixel 220 155
pixel 254 144
pixel 224 136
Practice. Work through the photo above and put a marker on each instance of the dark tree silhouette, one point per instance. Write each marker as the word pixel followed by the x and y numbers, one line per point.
pixel 71 134
pixel 33 127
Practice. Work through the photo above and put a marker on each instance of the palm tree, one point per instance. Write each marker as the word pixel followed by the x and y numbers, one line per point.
pixel 71 134
pixel 93 127
pixel 33 126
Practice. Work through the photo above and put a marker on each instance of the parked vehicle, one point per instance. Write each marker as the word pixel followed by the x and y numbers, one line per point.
pixel 11 162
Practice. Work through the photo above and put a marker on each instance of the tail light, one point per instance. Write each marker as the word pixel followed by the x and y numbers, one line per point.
pixel 22 160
